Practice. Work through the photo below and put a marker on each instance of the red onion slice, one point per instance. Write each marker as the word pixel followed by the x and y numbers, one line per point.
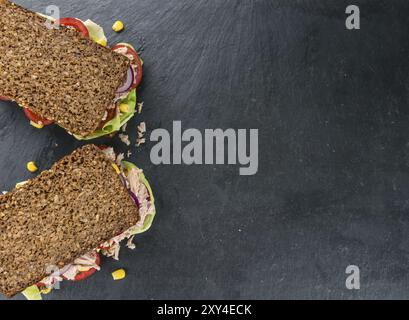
pixel 135 199
pixel 128 83
pixel 123 180
pixel 133 195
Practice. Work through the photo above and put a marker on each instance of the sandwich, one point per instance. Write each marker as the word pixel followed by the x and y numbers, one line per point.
pixel 56 226
pixel 62 72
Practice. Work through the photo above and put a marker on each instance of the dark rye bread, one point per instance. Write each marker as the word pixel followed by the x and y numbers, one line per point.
pixel 56 72
pixel 60 215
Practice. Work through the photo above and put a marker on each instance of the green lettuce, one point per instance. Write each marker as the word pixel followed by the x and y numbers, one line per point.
pixel 32 293
pixel 96 32
pixel 116 123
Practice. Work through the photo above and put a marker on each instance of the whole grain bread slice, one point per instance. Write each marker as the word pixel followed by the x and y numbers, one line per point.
pixel 57 73
pixel 60 215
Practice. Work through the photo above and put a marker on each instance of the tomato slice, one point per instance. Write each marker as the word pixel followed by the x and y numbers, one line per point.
pixel 4 98
pixel 35 118
pixel 85 274
pixel 75 23
pixel 42 285
pixel 136 61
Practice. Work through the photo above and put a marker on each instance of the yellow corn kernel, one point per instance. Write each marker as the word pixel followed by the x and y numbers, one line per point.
pixel 45 290
pixel 37 125
pixel 124 108
pixel 84 269
pixel 31 166
pixel 116 168
pixel 20 184
pixel 119 274
pixel 118 26
pixel 102 42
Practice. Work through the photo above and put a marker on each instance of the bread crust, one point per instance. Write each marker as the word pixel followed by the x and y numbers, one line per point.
pixel 57 73
pixel 60 215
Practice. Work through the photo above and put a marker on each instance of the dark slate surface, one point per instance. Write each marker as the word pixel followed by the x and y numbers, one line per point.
pixel 333 183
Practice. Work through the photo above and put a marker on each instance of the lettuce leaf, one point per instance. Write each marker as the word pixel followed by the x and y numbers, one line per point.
pixel 96 32
pixel 32 293
pixel 116 123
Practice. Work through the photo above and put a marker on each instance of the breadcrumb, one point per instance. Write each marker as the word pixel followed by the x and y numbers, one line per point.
pixel 140 106
pixel 125 139
pixel 141 133
pixel 130 243
pixel 140 142
pixel 119 158
pixel 142 127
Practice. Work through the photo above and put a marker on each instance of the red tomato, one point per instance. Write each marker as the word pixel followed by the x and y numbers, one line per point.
pixel 85 274
pixel 75 23
pixel 35 118
pixel 4 98
pixel 136 61
pixel 42 285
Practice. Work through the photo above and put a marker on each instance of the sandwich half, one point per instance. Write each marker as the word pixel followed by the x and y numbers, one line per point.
pixel 62 72
pixel 55 226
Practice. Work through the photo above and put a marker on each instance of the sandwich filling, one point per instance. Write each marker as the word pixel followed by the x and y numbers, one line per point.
pixel 140 191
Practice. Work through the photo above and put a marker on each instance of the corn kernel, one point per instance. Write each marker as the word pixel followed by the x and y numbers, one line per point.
pixel 84 269
pixel 37 125
pixel 118 26
pixel 124 108
pixel 20 184
pixel 45 290
pixel 102 42
pixel 116 168
pixel 31 166
pixel 119 274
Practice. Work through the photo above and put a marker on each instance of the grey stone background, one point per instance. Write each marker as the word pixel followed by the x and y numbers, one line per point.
pixel 331 106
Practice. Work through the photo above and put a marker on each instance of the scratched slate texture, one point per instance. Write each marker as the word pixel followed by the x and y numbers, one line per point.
pixel 331 107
